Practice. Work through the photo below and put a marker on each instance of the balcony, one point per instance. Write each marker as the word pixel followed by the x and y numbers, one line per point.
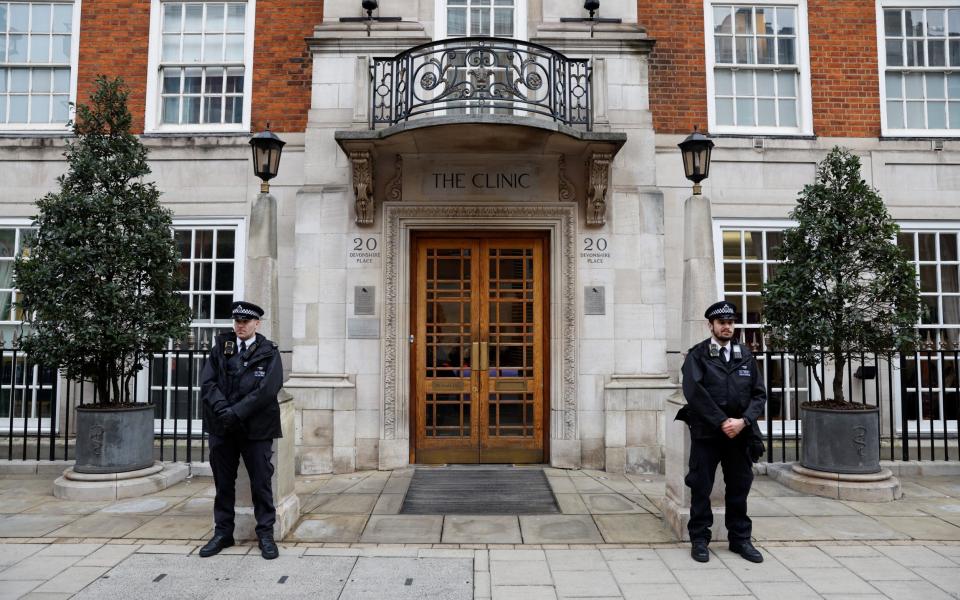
pixel 481 76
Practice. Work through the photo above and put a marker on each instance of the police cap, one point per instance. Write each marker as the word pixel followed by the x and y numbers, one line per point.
pixel 721 310
pixel 244 311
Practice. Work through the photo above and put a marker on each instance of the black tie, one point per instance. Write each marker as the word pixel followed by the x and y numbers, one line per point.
pixel 243 347
pixel 723 353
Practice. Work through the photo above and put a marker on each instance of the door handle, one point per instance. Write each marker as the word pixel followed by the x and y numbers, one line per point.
pixel 484 357
pixel 475 358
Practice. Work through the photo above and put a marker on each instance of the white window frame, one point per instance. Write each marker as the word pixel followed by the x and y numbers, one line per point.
pixel 169 424
pixel 520 17
pixel 804 101
pixel 152 118
pixel 57 128
pixel 882 65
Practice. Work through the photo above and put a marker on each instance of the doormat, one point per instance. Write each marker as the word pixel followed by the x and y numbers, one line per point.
pixel 457 491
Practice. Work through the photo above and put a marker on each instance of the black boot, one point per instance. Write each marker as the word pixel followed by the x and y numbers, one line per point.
pixel 216 544
pixel 268 548
pixel 699 551
pixel 745 549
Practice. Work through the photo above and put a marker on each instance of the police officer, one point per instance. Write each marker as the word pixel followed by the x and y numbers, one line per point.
pixel 725 396
pixel 239 387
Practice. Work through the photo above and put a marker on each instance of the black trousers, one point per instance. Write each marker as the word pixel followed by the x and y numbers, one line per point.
pixel 734 458
pixel 225 453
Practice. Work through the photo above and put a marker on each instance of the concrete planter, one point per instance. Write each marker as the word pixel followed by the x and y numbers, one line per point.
pixel 114 440
pixel 841 441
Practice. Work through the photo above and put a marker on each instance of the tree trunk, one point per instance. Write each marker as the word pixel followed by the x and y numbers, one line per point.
pixel 838 362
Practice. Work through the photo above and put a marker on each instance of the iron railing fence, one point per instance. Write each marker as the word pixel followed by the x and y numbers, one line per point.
pixel 918 394
pixel 480 75
pixel 37 405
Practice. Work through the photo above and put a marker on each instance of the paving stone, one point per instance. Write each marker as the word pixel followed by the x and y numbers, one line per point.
pixel 199 506
pixel 403 529
pixel 108 555
pixel 140 506
pixel 760 506
pixel 786 528
pixel 68 549
pixel 628 572
pixel 897 508
pixel 559 529
pixel 859 527
pixel 571 504
pixel 770 570
pixel 481 529
pixel 653 591
pixel 843 550
pixel 66 507
pixel 609 504
pixel 524 592
pixel 28 526
pixel 101 525
pixel 702 582
pixel 562 485
pixel 17 589
pixel 518 554
pixel 950 551
pixel 915 556
pixel 593 584
pixel 798 556
pixel 629 554
pixel 938 507
pixel 330 528
pixel 397 485
pixel 679 558
pixel 809 506
pixel 912 489
pixel 911 590
pixel 782 590
pixel 38 568
pixel 72 580
pixel 288 577
pixel 643 502
pixel 945 578
pixel 350 504
pixel 576 560
pixel 164 576
pixel 922 528
pixel 639 529
pixel 764 486
pixel 876 568
pixel 15 505
pixel 388 504
pixel 834 581
pixel 174 528
pixel 520 572
pixel 589 485
pixel 14 553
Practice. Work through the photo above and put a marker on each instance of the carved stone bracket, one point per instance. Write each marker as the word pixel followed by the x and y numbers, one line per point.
pixel 362 165
pixel 395 185
pixel 568 192
pixel 598 169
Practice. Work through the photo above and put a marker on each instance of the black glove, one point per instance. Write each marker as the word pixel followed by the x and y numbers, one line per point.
pixel 229 419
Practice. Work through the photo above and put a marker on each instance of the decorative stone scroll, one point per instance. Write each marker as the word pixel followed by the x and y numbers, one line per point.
pixel 568 193
pixel 395 185
pixel 362 165
pixel 598 169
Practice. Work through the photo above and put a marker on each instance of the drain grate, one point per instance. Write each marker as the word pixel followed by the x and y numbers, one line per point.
pixel 479 492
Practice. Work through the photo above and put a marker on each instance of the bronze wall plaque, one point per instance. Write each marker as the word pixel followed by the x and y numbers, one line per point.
pixel 511 386
pixel 447 385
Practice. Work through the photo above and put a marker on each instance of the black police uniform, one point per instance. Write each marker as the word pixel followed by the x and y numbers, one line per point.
pixel 716 390
pixel 245 384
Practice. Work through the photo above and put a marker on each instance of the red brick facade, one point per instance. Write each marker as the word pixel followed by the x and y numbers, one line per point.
pixel 114 40
pixel 843 64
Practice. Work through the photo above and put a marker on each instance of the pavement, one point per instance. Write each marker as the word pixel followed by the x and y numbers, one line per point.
pixel 608 542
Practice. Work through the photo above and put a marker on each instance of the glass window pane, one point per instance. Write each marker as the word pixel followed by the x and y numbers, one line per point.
pixel 191 110
pixel 40 18
pixel 914 85
pixel 479 21
pixel 39 49
pixel 955 53
pixel 3 80
pixel 17 48
pixel 171 47
pixel 787 84
pixel 191 80
pixel 744 20
pixel 786 51
pixel 213 48
pixel 234 49
pixel 724 49
pixel 19 80
pixel 214 80
pixel 18 109
pixel 766 50
pixel 41 81
pixel 953 111
pixel 191 48
pixel 732 277
pixel 235 81
pixel 953 86
pixel 61 109
pixel 213 110
pixel 788 113
pixel 764 20
pixel 936 53
pixel 225 243
pixel 915 115
pixel 935 86
pixel 19 19
pixel 215 17
pixel 744 46
pixel 892 22
pixel 171 16
pixel 40 109
pixel 914 22
pixel 765 86
pixel 61 80
pixel 171 81
pixel 3 47
pixel 61 49
pixel 745 112
pixel 723 79
pixel 766 112
pixel 234 110
pixel 503 22
pixel 893 83
pixel 895 53
pixel 171 110
pixel 948 246
pixel 725 111
pixel 193 18
pixel 62 18
pixel 722 23
pixel 731 245
pixel 948 279
pixel 457 21
pixel 915 56
pixel 927 243
pixel 236 14
pixel 953 22
pixel 935 25
pixel 744 81
pixel 937 115
pixel 786 21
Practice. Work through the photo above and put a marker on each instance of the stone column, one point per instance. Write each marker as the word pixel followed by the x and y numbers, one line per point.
pixel 261 288
pixel 699 292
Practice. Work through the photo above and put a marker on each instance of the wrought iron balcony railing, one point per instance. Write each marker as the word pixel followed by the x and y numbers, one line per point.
pixel 481 75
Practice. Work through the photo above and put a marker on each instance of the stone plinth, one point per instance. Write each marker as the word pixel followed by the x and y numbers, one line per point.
pixel 285 498
pixel 116 486
pixel 872 487
pixel 635 429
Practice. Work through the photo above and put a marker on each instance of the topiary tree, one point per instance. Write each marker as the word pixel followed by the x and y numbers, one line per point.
pixel 99 290
pixel 844 288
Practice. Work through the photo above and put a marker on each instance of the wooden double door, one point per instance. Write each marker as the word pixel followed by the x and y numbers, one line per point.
pixel 479 322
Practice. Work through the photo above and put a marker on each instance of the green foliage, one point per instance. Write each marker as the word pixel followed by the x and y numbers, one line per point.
pixel 98 287
pixel 845 287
